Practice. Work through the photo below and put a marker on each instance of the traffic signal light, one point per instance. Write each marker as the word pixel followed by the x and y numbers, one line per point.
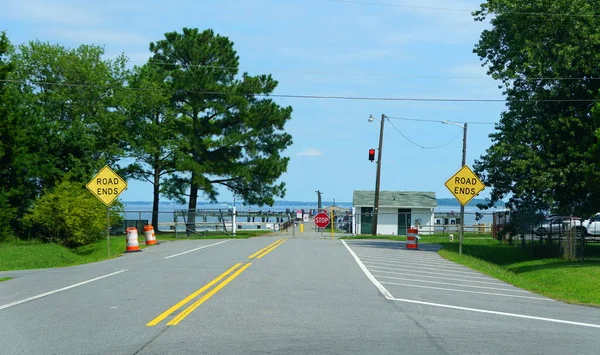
pixel 371 154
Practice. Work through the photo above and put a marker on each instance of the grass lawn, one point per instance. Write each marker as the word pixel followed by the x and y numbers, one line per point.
pixel 22 255
pixel 5 278
pixel 572 282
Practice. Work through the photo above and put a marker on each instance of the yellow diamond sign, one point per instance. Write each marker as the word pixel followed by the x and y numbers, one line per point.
pixel 464 185
pixel 107 185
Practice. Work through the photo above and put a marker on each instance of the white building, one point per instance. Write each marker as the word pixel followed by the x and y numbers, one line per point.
pixel 398 210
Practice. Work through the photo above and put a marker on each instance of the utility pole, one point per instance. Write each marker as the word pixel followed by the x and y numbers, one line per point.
pixel 378 177
pixel 463 163
pixel 462 207
pixel 319 202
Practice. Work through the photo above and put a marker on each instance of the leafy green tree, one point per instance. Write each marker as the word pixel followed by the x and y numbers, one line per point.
pixel 229 136
pixel 70 215
pixel 18 129
pixel 76 97
pixel 545 53
pixel 153 139
pixel 7 144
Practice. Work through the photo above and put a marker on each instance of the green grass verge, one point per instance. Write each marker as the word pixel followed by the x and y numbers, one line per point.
pixel 35 255
pixel 20 255
pixel 573 282
pixel 5 278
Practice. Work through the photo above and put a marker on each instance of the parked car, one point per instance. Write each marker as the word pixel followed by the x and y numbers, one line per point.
pixel 592 226
pixel 344 223
pixel 557 225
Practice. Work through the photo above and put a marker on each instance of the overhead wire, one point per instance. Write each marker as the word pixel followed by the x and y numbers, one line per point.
pixel 531 13
pixel 419 145
pixel 323 97
pixel 402 76
pixel 363 74
pixel 434 121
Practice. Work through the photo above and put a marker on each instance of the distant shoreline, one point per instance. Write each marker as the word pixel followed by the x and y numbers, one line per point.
pixel 441 202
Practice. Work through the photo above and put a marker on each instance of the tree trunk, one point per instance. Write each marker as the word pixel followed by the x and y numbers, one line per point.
pixel 191 221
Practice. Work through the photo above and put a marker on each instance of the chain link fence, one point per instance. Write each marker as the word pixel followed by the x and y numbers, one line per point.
pixel 203 222
pixel 431 223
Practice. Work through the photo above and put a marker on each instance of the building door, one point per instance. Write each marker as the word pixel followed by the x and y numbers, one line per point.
pixel 366 220
pixel 404 220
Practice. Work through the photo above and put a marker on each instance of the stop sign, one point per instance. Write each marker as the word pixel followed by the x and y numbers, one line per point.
pixel 322 220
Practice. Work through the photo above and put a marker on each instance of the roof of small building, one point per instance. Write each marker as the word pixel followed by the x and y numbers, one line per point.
pixel 400 199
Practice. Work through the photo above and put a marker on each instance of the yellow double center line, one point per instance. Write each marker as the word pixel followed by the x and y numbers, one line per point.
pixel 179 317
pixel 266 250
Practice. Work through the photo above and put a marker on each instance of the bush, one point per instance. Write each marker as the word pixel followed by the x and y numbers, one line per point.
pixel 70 215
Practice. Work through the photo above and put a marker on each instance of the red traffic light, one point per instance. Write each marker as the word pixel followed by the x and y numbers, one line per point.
pixel 371 154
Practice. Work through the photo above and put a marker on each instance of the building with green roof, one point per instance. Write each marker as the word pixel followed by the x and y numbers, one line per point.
pixel 398 210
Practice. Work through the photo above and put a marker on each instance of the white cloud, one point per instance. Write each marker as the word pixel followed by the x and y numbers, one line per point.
pixel 310 152
pixel 100 37
pixel 48 12
pixel 337 58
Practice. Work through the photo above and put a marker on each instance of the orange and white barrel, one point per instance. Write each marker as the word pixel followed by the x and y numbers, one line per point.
pixel 412 238
pixel 132 240
pixel 149 234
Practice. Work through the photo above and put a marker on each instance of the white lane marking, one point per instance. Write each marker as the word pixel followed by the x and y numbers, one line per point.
pixel 454 284
pixel 422 256
pixel 413 271
pixel 421 266
pixel 377 284
pixel 60 290
pixel 478 310
pixel 465 291
pixel 416 261
pixel 189 251
pixel 436 261
pixel 443 278
pixel 413 267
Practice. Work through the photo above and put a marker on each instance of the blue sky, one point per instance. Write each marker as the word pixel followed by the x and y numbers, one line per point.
pixel 318 47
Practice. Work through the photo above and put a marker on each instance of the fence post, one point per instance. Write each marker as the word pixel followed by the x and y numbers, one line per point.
pixel 233 220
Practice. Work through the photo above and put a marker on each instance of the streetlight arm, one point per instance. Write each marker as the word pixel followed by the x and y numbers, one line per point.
pixel 454 123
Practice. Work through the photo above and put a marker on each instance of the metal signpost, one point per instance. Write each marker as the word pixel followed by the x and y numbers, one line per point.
pixel 464 185
pixel 107 186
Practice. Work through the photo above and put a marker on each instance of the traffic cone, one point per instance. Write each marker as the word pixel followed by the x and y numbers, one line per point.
pixel 132 240
pixel 149 235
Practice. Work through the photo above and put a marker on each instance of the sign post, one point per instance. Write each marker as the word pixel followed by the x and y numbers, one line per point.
pixel 464 185
pixel 107 186
pixel 332 219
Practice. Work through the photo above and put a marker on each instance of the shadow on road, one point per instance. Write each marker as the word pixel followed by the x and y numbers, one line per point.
pixel 392 245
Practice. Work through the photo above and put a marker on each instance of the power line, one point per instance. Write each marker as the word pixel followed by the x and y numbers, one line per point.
pixel 434 121
pixel 404 76
pixel 533 13
pixel 322 97
pixel 388 75
pixel 421 146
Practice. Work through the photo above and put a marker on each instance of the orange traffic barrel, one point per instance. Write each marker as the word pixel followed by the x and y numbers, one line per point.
pixel 412 238
pixel 132 240
pixel 149 234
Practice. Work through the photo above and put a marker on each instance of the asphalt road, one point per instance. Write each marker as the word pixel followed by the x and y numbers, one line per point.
pixel 296 296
